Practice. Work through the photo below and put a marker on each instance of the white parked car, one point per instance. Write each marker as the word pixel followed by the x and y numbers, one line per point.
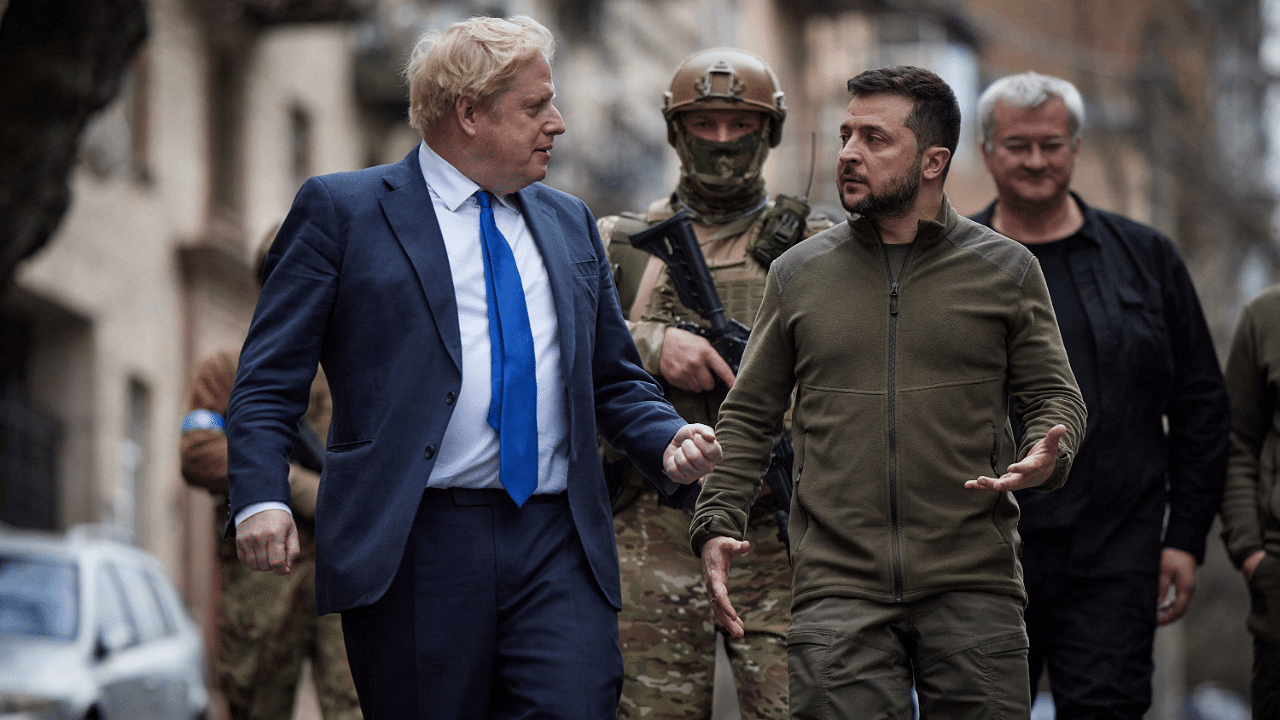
pixel 91 628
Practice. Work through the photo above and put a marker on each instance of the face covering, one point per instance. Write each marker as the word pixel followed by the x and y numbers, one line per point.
pixel 721 182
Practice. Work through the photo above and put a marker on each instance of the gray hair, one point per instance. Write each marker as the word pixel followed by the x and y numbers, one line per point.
pixel 1030 90
pixel 479 58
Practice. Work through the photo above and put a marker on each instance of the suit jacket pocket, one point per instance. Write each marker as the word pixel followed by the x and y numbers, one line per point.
pixel 585 269
pixel 348 446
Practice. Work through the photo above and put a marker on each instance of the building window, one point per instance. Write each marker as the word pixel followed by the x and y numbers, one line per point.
pixel 115 139
pixel 302 142
pixel 925 41
pixel 134 450
pixel 30 439
pixel 138 95
pixel 226 114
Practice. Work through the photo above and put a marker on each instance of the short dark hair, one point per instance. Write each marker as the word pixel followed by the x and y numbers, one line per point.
pixel 935 114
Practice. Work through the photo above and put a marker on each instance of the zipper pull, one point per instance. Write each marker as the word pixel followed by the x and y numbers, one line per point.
pixel 893 299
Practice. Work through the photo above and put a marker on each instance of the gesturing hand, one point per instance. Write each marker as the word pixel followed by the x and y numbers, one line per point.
pixel 716 556
pixel 1032 470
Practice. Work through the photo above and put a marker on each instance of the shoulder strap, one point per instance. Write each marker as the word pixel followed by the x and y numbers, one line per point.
pixel 628 263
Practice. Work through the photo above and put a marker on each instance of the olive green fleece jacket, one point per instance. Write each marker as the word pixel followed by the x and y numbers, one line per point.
pixel 901 396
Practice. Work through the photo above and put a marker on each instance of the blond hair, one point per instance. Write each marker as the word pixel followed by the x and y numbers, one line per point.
pixel 477 58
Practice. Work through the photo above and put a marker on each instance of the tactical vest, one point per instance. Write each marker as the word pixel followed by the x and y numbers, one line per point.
pixel 740 284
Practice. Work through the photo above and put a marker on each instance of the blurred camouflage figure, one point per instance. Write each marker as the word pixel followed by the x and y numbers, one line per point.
pixel 724 112
pixel 267 623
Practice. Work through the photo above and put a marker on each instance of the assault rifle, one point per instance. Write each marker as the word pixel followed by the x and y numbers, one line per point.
pixel 674 242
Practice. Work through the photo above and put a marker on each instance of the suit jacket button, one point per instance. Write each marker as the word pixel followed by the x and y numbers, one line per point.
pixel 449 398
pixel 430 452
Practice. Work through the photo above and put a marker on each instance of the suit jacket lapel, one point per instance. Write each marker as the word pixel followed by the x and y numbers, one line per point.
pixel 550 237
pixel 413 219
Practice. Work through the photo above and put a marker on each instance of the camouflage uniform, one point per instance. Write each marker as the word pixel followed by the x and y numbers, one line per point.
pixel 666 628
pixel 267 624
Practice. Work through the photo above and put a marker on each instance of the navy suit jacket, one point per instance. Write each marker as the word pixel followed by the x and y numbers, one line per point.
pixel 358 281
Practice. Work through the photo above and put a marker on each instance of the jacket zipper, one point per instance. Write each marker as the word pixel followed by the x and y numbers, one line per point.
pixel 892 386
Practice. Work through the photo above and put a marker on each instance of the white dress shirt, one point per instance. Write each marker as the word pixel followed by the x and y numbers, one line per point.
pixel 469 452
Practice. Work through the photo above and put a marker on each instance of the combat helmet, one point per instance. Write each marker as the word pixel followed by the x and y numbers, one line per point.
pixel 723 181
pixel 724 78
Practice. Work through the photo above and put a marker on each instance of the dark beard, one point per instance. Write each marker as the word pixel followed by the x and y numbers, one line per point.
pixel 896 200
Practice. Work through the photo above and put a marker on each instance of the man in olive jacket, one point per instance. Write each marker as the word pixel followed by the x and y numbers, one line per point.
pixel 904 333
pixel 1250 525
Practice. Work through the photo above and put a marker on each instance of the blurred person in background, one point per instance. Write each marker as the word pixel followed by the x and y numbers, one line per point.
pixel 1251 505
pixel 267 624
pixel 1103 567
pixel 724 111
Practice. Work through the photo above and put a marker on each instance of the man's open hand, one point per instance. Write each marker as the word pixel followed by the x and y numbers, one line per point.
pixel 1032 470
pixel 1251 563
pixel 717 553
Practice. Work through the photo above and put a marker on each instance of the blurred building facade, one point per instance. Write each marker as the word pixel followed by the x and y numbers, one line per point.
pixel 231 104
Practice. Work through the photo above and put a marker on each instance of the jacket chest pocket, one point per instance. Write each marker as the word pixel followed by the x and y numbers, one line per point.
pixel 586 281
pixel 1142 332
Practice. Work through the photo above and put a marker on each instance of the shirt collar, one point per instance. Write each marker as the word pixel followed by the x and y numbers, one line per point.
pixel 1089 229
pixel 447 182
pixel 927 231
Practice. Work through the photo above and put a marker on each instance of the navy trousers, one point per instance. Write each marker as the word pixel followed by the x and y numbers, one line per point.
pixel 494 613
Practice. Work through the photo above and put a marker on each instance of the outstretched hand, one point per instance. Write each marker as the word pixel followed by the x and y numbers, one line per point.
pixel 1030 471
pixel 692 454
pixel 717 553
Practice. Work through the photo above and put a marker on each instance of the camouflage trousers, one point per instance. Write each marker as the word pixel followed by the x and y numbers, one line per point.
pixel 267 627
pixel 666 629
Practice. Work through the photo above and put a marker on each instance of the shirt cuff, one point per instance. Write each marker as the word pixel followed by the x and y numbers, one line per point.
pixel 250 510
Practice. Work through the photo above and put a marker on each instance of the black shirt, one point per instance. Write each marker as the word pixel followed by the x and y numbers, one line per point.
pixel 1068 502
pixel 1150 469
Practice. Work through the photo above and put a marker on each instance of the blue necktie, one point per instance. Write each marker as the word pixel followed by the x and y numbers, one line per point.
pixel 513 411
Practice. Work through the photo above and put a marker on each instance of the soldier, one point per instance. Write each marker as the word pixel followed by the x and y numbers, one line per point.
pixel 267 623
pixel 724 111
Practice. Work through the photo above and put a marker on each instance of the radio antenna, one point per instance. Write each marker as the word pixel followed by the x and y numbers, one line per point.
pixel 813 157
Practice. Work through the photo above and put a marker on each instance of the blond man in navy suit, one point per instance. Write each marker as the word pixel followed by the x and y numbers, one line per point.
pixel 461 597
